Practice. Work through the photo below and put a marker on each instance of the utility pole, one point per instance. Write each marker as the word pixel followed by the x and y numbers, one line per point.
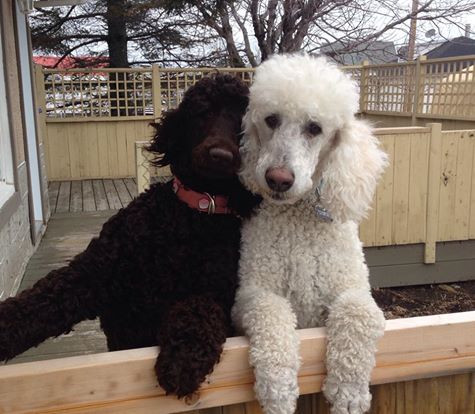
pixel 412 32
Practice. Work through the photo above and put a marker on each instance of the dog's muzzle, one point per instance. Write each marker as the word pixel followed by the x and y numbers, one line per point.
pixel 279 179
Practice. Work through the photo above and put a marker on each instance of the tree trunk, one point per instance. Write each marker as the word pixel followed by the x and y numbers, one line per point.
pixel 117 33
pixel 117 43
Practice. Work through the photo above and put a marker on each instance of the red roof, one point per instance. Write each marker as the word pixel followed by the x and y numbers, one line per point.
pixel 71 62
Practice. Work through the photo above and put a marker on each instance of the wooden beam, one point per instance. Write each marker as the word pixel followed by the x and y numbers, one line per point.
pixel 401 130
pixel 124 381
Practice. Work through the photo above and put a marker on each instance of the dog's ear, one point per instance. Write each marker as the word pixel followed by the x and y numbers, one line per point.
pixel 352 171
pixel 249 151
pixel 168 133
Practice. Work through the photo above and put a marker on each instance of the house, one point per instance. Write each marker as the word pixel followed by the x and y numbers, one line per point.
pixel 70 62
pixel 24 205
pixel 375 52
pixel 459 46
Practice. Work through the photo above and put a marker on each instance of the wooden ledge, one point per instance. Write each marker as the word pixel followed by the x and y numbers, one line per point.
pixel 122 382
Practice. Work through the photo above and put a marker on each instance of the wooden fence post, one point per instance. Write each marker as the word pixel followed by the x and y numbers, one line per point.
pixel 433 191
pixel 418 87
pixel 363 86
pixel 156 93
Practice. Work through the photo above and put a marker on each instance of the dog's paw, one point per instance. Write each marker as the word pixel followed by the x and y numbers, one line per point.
pixel 347 397
pixel 182 375
pixel 277 390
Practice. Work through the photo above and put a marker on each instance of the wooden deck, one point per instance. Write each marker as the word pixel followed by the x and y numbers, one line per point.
pixel 79 209
pixel 91 195
pixel 67 235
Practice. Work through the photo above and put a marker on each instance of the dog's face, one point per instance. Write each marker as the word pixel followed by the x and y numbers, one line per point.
pixel 297 106
pixel 200 139
pixel 300 130
pixel 213 137
pixel 289 148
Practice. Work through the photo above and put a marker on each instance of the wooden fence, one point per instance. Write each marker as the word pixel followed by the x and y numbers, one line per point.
pixel 122 102
pixel 124 381
pixel 426 195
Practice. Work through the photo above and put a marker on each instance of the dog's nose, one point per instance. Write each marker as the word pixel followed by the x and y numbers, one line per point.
pixel 221 155
pixel 279 179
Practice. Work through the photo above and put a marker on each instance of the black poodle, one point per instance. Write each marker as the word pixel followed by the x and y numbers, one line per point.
pixel 163 270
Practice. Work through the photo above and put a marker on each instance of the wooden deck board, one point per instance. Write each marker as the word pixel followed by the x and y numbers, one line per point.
pixel 67 235
pixel 112 196
pixel 122 192
pixel 64 197
pixel 89 203
pixel 100 195
pixel 76 196
pixel 131 186
pixel 91 195
pixel 53 191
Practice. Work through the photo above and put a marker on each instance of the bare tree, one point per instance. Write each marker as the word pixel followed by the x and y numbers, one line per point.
pixel 252 30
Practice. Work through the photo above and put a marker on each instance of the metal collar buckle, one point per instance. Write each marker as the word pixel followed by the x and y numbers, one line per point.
pixel 212 204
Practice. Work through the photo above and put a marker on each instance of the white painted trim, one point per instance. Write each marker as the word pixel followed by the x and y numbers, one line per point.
pixel 29 115
pixel 6 155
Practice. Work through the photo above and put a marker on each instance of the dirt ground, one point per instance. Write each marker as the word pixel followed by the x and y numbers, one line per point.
pixel 405 302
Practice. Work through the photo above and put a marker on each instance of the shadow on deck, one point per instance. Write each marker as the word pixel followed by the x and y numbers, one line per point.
pixel 79 209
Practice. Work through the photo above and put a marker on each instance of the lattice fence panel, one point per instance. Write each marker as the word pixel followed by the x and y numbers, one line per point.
pixel 354 72
pixel 389 88
pixel 98 93
pixel 175 82
pixel 448 88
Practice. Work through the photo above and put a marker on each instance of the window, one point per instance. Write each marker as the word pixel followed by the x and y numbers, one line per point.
pixel 6 159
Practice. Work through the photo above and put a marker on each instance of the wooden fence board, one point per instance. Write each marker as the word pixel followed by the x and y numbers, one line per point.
pixel 400 201
pixel 418 188
pixel 384 196
pixel 85 150
pixel 58 151
pixel 74 142
pixel 463 185
pixel 433 192
pixel 448 186
pixel 103 148
pixel 122 151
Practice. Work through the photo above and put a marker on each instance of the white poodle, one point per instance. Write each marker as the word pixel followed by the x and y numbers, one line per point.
pixel 302 263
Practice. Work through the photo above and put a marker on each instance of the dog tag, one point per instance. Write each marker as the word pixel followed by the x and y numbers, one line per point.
pixel 323 214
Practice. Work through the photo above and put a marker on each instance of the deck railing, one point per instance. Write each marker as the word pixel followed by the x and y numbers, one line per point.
pixel 125 382
pixel 436 88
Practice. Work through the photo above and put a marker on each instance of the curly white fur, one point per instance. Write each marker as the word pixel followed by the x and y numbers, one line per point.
pixel 296 270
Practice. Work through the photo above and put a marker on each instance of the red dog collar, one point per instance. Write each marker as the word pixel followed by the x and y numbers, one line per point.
pixel 204 202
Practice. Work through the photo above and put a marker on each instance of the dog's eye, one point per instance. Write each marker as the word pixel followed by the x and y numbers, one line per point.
pixel 273 121
pixel 312 128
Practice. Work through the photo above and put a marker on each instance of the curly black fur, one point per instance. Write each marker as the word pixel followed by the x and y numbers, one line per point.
pixel 159 272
